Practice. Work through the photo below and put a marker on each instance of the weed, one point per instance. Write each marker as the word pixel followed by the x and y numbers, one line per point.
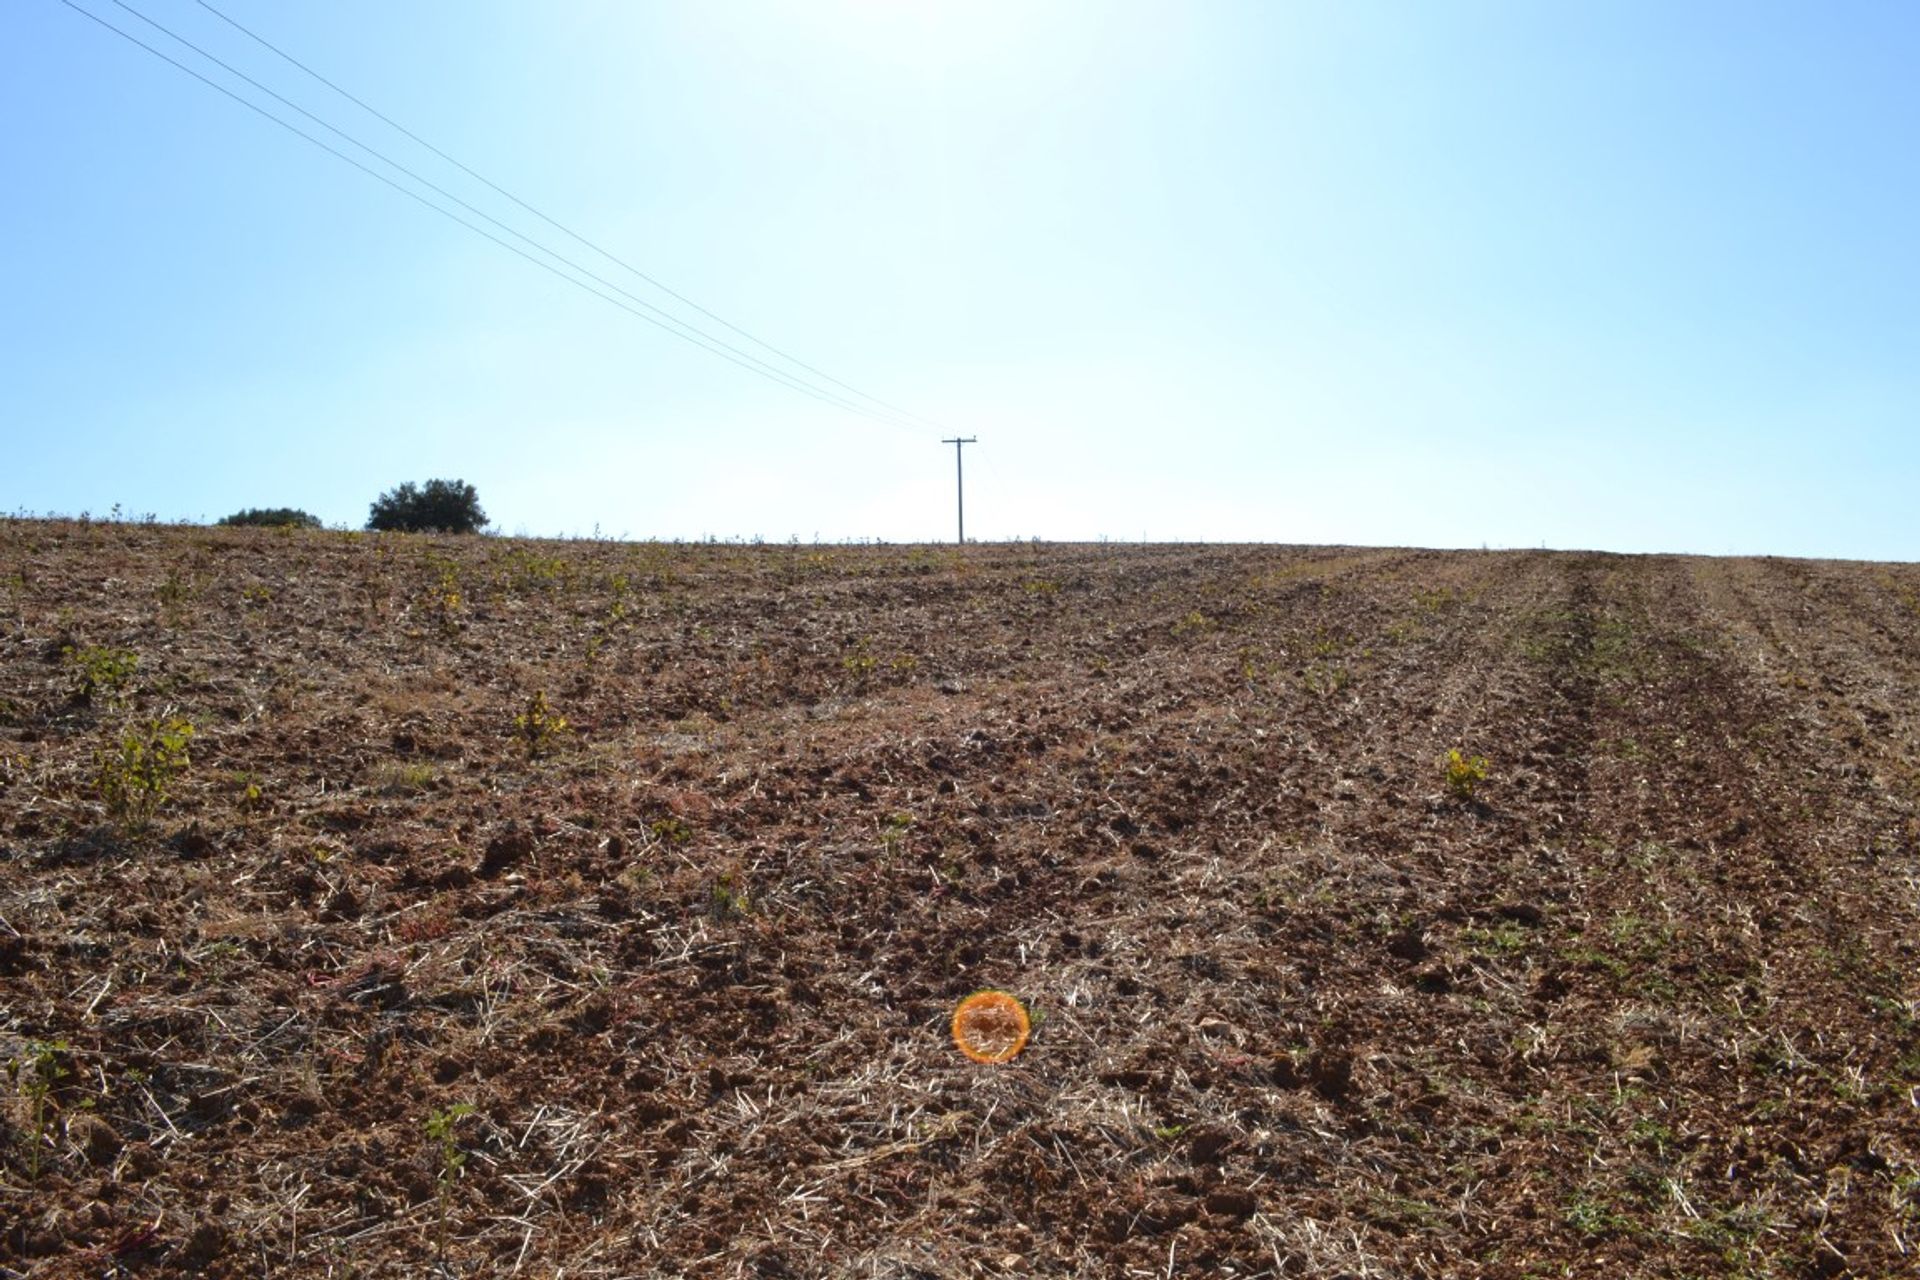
pixel 671 830
pixel 176 593
pixel 860 663
pixel 894 830
pixel 36 1071
pixel 1195 623
pixel 444 601
pixel 1321 679
pixel 395 779
pixel 1647 1132
pixel 13 768
pixel 1402 630
pixel 1462 773
pixel 251 799
pixel 1504 938
pixel 728 897
pixel 98 673
pixel 134 777
pixel 440 1127
pixel 538 728
pixel 1249 663
pixel 524 571
pixel 1595 1218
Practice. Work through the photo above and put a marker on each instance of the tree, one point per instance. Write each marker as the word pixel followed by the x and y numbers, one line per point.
pixel 443 506
pixel 271 517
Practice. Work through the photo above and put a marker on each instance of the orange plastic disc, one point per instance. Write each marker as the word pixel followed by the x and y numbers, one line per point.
pixel 991 1026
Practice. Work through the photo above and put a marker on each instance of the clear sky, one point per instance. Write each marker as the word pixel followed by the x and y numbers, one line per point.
pixel 1636 276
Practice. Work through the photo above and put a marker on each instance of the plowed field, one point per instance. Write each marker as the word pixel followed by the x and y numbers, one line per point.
pixel 396 974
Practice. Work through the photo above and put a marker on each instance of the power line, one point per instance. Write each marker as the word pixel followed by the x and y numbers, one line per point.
pixel 759 365
pixel 555 224
pixel 665 321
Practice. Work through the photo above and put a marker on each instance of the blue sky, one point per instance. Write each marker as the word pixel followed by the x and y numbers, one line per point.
pixel 1630 276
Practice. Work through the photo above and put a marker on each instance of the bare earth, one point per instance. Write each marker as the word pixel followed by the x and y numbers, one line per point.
pixel 1645 1004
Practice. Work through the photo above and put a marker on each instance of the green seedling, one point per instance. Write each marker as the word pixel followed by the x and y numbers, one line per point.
pixel 176 592
pixel 729 896
pixel 860 663
pixel 894 831
pixel 36 1071
pixel 1463 773
pixel 247 788
pixel 97 673
pixel 440 1127
pixel 444 601
pixel 538 728
pixel 134 778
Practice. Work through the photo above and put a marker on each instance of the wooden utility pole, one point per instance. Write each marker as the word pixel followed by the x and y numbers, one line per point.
pixel 960 482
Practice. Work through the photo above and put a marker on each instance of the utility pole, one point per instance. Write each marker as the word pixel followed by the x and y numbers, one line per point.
pixel 960 482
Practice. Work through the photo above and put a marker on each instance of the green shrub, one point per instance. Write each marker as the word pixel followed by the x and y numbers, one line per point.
pixel 272 517
pixel 134 776
pixel 98 673
pixel 1463 773
pixel 440 506
pixel 538 728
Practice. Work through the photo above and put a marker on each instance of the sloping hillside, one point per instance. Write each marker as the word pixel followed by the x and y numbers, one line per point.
pixel 384 965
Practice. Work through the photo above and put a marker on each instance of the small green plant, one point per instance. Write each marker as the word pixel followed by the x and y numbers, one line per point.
pixel 1195 623
pixel 1463 773
pixel 133 778
pixel 1595 1218
pixel 1502 938
pixel 247 792
pixel 671 830
pixel 397 778
pixel 1323 678
pixel 895 828
pixel 176 593
pixel 36 1071
pixel 97 673
pixel 440 1127
pixel 729 896
pixel 859 662
pixel 444 601
pixel 538 728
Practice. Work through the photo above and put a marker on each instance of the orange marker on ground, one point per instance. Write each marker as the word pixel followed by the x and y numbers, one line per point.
pixel 991 1026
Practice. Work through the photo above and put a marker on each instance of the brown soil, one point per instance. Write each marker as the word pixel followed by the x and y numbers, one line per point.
pixel 1644 1004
